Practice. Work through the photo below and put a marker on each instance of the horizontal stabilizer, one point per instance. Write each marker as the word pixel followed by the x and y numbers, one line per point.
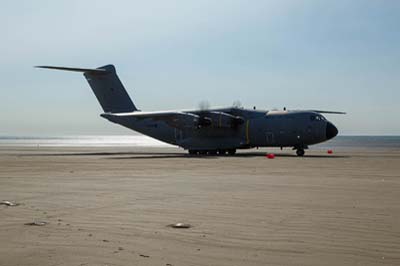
pixel 85 70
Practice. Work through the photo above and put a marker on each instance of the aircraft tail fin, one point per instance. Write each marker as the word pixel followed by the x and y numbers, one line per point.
pixel 107 87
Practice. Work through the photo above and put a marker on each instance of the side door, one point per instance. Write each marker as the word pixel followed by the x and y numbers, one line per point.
pixel 270 138
pixel 178 135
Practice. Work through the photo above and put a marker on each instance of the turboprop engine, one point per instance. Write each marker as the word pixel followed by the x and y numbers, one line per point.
pixel 219 120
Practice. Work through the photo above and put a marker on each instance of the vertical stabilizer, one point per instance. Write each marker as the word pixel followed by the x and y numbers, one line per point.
pixel 107 87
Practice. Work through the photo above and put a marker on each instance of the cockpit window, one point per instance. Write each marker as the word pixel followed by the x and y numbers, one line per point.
pixel 317 118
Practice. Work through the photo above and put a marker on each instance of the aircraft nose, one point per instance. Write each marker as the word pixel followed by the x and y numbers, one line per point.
pixel 331 130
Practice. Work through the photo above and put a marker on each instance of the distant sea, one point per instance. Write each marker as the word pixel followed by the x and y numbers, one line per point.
pixel 82 141
pixel 340 142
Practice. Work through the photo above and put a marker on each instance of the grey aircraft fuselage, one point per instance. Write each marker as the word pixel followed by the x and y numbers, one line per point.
pixel 208 131
pixel 296 129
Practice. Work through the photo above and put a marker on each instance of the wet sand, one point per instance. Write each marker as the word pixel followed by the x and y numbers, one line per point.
pixel 111 206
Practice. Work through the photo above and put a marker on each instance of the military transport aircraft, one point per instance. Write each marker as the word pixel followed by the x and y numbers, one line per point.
pixel 213 131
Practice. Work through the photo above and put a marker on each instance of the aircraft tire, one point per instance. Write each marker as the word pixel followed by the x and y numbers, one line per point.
pixel 212 152
pixel 300 152
pixel 231 151
pixel 193 152
pixel 221 152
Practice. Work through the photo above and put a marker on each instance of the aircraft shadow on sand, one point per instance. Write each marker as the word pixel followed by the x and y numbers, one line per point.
pixel 166 155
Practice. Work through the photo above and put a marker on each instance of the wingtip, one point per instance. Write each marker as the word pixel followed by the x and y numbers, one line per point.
pixel 328 112
pixel 49 67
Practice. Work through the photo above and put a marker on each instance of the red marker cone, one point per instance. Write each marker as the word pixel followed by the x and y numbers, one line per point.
pixel 270 156
pixel 330 151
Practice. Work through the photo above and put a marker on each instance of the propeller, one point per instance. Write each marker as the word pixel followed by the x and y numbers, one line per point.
pixel 237 104
pixel 204 105
pixel 217 118
pixel 203 120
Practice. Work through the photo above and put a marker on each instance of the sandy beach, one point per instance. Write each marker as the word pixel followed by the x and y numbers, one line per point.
pixel 111 206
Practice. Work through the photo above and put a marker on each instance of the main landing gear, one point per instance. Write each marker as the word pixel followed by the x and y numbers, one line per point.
pixel 213 152
pixel 300 152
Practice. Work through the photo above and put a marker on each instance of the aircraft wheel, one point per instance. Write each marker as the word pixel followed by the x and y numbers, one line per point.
pixel 192 152
pixel 221 152
pixel 231 151
pixel 300 152
pixel 212 152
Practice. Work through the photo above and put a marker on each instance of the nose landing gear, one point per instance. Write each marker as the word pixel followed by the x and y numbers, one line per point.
pixel 300 150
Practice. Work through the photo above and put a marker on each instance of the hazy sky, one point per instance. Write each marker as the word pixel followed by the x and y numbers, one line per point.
pixel 334 55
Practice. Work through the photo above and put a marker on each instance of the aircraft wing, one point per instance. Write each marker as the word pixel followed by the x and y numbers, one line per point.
pixel 328 112
pixel 173 118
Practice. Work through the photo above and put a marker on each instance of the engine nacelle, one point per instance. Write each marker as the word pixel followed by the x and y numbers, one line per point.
pixel 221 120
